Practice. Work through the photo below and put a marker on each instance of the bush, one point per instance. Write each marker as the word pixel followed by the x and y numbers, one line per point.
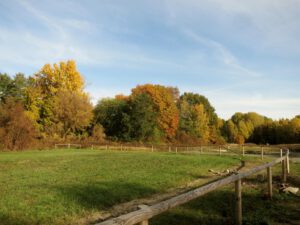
pixel 17 131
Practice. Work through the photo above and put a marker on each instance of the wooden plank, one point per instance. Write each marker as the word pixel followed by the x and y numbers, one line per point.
pixel 238 202
pixel 270 190
pixel 146 213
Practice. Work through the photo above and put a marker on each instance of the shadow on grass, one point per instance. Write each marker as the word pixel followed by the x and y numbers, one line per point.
pixel 12 220
pixel 218 207
pixel 103 195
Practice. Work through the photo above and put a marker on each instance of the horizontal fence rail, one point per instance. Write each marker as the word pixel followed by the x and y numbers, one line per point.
pixel 145 212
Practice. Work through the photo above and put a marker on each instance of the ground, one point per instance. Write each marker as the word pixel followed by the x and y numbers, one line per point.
pixel 71 186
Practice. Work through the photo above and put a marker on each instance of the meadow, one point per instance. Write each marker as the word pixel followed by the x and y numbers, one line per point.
pixel 69 186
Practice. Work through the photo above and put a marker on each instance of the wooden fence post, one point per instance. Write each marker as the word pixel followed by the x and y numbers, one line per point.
pixel 169 148
pixel 145 222
pixel 288 161
pixel 270 191
pixel 152 149
pixel 243 150
pixel 69 146
pixel 284 170
pixel 220 150
pixel 262 153
pixel 92 147
pixel 200 148
pixel 238 203
pixel 176 150
pixel 281 153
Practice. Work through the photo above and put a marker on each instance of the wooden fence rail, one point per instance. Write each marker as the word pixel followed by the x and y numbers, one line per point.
pixel 145 212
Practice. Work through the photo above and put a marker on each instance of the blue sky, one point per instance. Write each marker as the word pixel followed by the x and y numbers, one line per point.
pixel 242 55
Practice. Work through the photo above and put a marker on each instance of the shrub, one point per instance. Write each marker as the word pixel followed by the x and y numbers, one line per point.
pixel 17 131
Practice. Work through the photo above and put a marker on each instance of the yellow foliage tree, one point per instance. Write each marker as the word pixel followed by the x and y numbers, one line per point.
pixel 46 86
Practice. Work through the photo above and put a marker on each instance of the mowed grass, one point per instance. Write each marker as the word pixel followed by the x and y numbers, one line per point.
pixel 63 186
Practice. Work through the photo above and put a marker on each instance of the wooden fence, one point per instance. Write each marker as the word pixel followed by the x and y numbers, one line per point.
pixel 242 150
pixel 67 145
pixel 146 212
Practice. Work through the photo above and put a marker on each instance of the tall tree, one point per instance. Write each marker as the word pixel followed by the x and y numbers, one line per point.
pixel 72 113
pixel 113 115
pixel 194 121
pixel 165 106
pixel 45 86
pixel 143 119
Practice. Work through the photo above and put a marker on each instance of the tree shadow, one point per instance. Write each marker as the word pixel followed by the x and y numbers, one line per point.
pixel 13 220
pixel 104 195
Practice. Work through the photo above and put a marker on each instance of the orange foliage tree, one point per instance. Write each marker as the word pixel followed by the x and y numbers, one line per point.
pixel 164 99
pixel 16 129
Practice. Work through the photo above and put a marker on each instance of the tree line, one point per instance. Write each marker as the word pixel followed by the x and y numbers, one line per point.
pixel 52 105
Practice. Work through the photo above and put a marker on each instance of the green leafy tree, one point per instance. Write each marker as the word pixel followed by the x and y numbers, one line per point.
pixel 113 115
pixel 143 117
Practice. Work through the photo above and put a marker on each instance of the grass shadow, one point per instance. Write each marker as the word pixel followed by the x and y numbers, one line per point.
pixel 103 195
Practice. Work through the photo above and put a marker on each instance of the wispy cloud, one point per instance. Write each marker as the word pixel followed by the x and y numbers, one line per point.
pixel 223 54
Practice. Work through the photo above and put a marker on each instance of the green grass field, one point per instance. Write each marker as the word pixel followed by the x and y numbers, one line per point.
pixel 66 186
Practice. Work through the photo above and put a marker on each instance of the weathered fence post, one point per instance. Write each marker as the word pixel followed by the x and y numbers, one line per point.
pixel 176 150
pixel 238 203
pixel 281 153
pixel 69 146
pixel 145 222
pixel 262 152
pixel 243 150
pixel 288 161
pixel 152 149
pixel 284 170
pixel 169 148
pixel 270 191
pixel 220 150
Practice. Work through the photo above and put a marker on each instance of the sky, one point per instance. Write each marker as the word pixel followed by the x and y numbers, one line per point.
pixel 243 55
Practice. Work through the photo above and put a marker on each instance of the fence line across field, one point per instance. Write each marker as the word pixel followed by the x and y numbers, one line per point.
pixel 69 145
pixel 219 149
pixel 146 212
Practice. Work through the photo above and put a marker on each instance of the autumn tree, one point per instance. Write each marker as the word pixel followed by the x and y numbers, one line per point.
pixel 164 101
pixel 193 121
pixel 72 113
pixel 143 119
pixel 16 129
pixel 241 126
pixel 211 124
pixel 45 106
